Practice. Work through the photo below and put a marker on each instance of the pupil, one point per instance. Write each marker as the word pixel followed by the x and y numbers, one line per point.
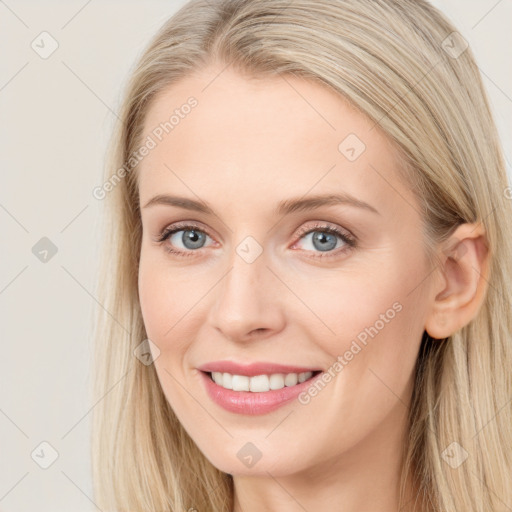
pixel 327 241
pixel 321 240
pixel 192 239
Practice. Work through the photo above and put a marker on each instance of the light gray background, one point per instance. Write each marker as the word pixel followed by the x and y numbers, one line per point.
pixel 56 116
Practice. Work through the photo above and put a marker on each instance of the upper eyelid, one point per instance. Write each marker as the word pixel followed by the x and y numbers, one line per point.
pixel 184 225
pixel 300 232
pixel 350 241
pixel 320 224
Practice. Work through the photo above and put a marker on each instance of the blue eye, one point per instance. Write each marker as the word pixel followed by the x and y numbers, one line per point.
pixel 191 238
pixel 324 239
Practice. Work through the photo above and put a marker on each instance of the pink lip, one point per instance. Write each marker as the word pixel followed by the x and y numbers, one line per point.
pixel 252 369
pixel 246 402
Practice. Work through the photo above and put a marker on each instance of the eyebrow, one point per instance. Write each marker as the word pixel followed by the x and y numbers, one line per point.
pixel 283 208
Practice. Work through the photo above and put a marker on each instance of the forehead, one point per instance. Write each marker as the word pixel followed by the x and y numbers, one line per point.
pixel 233 107
pixel 275 136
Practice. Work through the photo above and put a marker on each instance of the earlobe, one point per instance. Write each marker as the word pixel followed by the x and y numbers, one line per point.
pixel 459 294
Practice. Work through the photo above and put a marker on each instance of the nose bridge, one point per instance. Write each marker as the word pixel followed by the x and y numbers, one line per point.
pixel 248 264
pixel 244 283
pixel 244 301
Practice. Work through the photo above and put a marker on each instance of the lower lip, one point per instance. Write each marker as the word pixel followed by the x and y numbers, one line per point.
pixel 247 402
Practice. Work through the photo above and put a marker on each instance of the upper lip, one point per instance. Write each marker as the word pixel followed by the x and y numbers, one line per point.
pixel 252 369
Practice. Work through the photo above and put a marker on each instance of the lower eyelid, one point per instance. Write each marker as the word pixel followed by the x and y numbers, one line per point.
pixel 173 232
pixel 349 243
pixel 338 251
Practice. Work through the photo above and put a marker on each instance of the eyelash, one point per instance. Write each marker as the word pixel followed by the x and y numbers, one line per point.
pixel 349 240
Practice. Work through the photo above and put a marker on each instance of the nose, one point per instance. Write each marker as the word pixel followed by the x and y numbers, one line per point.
pixel 246 302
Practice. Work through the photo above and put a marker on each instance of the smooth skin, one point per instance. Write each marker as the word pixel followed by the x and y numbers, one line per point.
pixel 248 145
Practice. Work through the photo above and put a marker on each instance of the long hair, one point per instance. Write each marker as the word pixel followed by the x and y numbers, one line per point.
pixel 403 65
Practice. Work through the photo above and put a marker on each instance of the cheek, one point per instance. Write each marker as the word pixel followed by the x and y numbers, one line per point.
pixel 163 301
pixel 376 318
pixel 172 304
pixel 154 302
pixel 162 305
pixel 354 305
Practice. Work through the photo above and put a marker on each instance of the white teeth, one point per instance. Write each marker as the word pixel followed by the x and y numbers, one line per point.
pixel 291 379
pixel 277 381
pixel 304 376
pixel 227 380
pixel 240 383
pixel 259 383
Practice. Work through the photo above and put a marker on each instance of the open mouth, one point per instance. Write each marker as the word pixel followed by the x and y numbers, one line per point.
pixel 260 383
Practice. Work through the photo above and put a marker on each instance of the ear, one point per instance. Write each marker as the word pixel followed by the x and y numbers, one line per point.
pixel 463 278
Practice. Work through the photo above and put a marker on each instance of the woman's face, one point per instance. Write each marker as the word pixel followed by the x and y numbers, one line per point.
pixel 259 278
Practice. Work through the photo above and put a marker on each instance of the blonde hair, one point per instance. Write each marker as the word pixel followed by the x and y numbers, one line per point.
pixel 392 61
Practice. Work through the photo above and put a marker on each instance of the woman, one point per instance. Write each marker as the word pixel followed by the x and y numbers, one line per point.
pixel 307 268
